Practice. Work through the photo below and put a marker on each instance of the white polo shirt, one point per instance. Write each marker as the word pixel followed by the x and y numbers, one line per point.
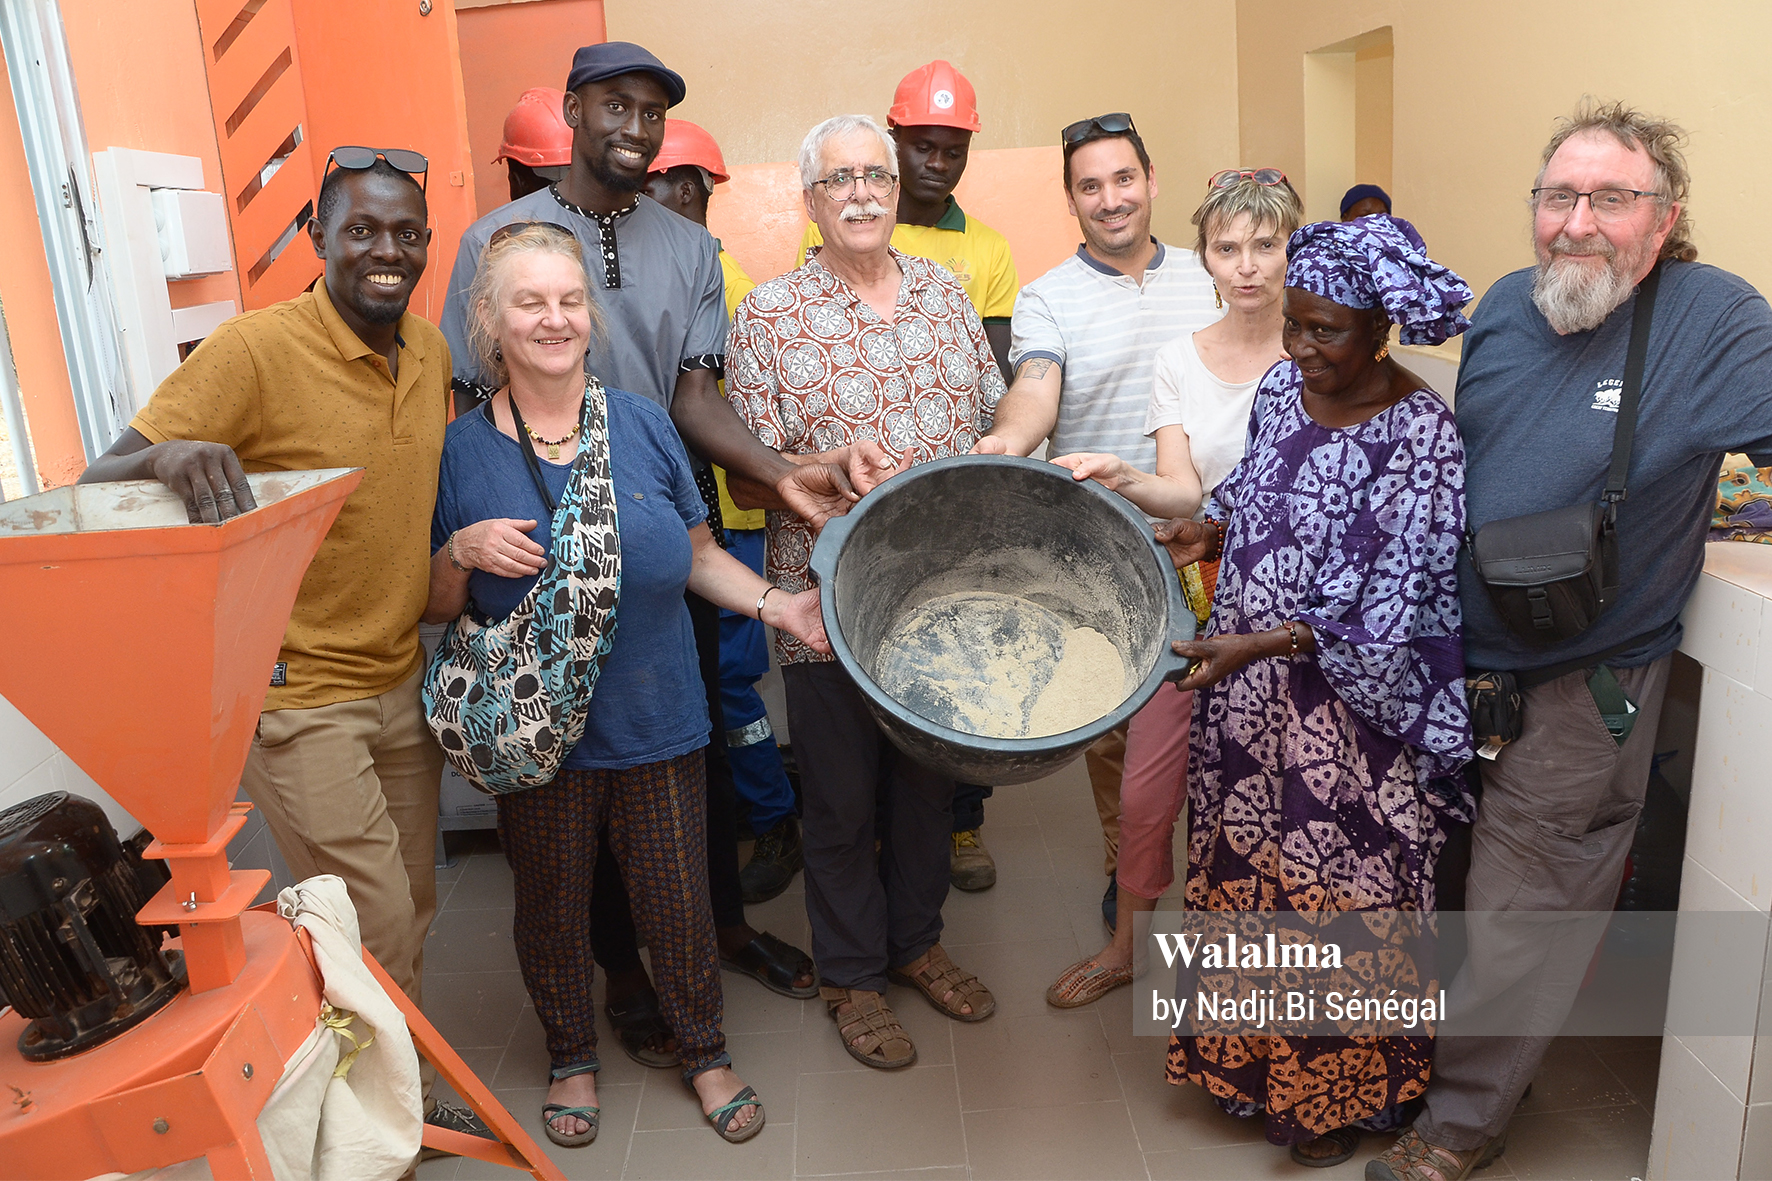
pixel 1104 329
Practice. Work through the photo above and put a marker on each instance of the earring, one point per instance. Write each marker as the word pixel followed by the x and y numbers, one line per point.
pixel 1384 350
pixel 498 354
pixel 1217 296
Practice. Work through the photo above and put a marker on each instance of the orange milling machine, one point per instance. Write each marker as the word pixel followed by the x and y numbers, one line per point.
pixel 140 645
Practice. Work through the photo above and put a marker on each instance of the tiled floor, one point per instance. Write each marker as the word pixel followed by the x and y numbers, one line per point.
pixel 1030 1093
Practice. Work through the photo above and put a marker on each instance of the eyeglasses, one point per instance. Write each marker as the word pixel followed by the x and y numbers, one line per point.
pixel 356 159
pixel 840 185
pixel 1230 178
pixel 1607 204
pixel 511 229
pixel 1118 123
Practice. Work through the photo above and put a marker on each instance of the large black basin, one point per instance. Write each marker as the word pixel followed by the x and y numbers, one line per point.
pixel 1006 525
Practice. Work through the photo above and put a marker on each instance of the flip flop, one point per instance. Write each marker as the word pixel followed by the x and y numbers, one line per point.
pixel 774 964
pixel 637 1021
pixel 553 1111
pixel 1085 982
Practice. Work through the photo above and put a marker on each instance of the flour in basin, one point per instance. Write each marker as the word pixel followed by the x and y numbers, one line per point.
pixel 999 666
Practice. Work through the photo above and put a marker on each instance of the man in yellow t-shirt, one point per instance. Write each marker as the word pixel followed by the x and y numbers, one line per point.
pixel 683 177
pixel 343 767
pixel 933 116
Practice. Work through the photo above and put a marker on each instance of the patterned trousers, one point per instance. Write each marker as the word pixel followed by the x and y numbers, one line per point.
pixel 654 815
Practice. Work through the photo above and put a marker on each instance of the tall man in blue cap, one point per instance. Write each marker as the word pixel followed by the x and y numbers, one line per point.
pixel 658 282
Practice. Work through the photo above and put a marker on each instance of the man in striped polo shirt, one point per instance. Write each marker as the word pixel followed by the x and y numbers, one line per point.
pixel 1084 337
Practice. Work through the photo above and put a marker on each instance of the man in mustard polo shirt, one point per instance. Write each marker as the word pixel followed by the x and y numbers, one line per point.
pixel 682 179
pixel 934 114
pixel 343 768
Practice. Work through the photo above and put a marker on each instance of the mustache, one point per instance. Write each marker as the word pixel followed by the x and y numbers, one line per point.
pixel 1563 246
pixel 854 212
pixel 1104 214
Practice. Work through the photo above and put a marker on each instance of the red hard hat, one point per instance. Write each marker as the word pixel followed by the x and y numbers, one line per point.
pixel 935 95
pixel 535 132
pixel 687 143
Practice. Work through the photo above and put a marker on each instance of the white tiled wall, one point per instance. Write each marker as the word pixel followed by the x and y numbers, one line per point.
pixel 30 765
pixel 1713 1113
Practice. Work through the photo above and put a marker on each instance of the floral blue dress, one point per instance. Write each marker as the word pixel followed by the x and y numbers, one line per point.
pixel 1324 782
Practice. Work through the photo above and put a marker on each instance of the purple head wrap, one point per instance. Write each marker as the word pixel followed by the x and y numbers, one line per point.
pixel 1380 262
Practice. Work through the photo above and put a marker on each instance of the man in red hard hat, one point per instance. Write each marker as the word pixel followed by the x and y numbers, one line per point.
pixel 537 143
pixel 933 116
pixel 682 179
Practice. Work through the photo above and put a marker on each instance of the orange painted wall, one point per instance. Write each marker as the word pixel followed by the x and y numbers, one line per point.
pixel 377 72
pixel 505 50
pixel 759 215
pixel 162 109
pixel 29 304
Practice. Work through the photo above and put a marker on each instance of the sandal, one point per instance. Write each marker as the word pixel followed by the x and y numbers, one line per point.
pixel 934 974
pixel 1086 981
pixel 1339 1145
pixel 870 1031
pixel 722 1116
pixel 642 1031
pixel 774 964
pixel 553 1111
pixel 1413 1159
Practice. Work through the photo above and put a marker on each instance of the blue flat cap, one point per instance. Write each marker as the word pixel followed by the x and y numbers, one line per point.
pixel 594 63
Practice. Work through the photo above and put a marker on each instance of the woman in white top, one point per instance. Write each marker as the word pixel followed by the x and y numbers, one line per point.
pixel 1199 412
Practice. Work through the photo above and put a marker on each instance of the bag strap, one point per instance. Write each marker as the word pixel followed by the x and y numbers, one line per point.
pixel 1625 432
pixel 528 450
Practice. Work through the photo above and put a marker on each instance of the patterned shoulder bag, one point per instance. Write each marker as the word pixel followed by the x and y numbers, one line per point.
pixel 508 700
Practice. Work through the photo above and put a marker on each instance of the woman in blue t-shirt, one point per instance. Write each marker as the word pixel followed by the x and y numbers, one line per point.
pixel 638 768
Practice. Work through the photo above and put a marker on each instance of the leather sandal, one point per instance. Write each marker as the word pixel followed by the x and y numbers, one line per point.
pixel 1336 1146
pixel 774 964
pixel 870 1031
pixel 1413 1159
pixel 642 1030
pixel 553 1111
pixel 947 987
pixel 1085 982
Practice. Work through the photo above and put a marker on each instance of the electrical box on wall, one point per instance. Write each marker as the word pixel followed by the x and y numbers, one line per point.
pixel 193 229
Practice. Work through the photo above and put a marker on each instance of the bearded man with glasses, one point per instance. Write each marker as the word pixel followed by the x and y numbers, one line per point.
pixel 862 342
pixel 1539 393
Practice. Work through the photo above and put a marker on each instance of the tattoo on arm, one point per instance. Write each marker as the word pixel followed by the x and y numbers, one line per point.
pixel 1035 368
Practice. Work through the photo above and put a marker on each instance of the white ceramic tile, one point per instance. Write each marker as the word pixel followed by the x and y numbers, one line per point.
pixel 1722 623
pixel 1729 830
pixel 1698 1123
pixel 71 778
pixel 22 745
pixel 33 782
pixel 1708 967
pixel 1748 566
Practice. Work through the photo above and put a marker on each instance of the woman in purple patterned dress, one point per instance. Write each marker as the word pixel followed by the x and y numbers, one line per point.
pixel 1331 723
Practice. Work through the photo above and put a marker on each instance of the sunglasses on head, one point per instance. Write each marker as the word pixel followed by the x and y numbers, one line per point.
pixel 517 227
pixel 1117 123
pixel 356 159
pixel 1230 178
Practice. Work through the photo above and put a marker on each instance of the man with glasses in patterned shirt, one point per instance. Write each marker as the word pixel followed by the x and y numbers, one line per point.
pixel 862 342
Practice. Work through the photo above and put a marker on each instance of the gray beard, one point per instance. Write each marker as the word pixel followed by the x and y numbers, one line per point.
pixel 1576 298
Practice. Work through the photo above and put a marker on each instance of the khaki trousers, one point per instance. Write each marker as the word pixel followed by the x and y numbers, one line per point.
pixel 1554 826
pixel 1106 762
pixel 351 789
